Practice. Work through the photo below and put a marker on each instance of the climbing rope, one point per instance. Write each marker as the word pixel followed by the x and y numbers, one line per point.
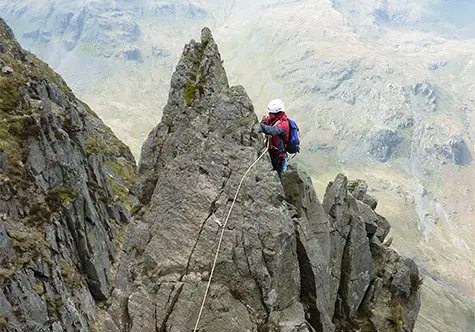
pixel 221 237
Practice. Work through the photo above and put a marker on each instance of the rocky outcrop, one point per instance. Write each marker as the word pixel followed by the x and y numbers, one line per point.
pixel 383 144
pixel 287 262
pixel 64 199
pixel 361 263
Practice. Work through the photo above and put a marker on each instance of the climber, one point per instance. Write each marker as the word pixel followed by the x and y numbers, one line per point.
pixel 276 124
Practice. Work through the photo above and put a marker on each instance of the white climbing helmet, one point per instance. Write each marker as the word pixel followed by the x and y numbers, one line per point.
pixel 276 106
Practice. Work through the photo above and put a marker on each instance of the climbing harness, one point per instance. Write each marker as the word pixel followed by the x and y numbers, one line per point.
pixel 221 237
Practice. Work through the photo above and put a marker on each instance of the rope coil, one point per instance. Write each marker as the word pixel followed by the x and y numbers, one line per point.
pixel 221 237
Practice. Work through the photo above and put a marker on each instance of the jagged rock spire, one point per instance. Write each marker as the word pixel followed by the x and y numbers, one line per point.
pixel 198 77
pixel 199 72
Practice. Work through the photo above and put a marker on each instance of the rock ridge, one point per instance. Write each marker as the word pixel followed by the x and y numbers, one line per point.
pixel 287 263
pixel 65 181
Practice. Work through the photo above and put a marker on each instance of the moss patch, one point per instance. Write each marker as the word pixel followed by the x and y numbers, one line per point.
pixel 137 210
pixel 56 199
pixel 10 144
pixel 53 305
pixel 193 84
pixel 71 277
pixel 204 42
pixel 105 144
pixel 123 170
pixel 122 179
pixel 26 241
pixel 95 144
pixel 119 235
pixel 3 322
pixel 39 288
pixel 190 92
pixel 397 318
pixel 119 191
pixel 29 245
pixel 6 274
pixel 67 195
pixel 9 95
pixel 89 110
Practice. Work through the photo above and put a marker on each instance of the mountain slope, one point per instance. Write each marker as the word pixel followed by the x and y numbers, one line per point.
pixel 382 90
pixel 64 185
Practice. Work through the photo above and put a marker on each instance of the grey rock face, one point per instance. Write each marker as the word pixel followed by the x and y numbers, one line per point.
pixel 3 161
pixel 427 91
pixel 357 268
pixel 71 26
pixel 64 180
pixel 363 269
pixel 192 163
pixel 383 144
pixel 336 205
pixel 287 263
pixel 312 228
pixel 133 54
pixel 320 147
pixel 461 153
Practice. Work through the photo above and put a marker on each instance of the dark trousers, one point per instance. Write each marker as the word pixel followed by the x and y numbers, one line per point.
pixel 277 164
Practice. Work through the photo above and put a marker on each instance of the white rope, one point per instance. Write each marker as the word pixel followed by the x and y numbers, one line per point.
pixel 221 239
